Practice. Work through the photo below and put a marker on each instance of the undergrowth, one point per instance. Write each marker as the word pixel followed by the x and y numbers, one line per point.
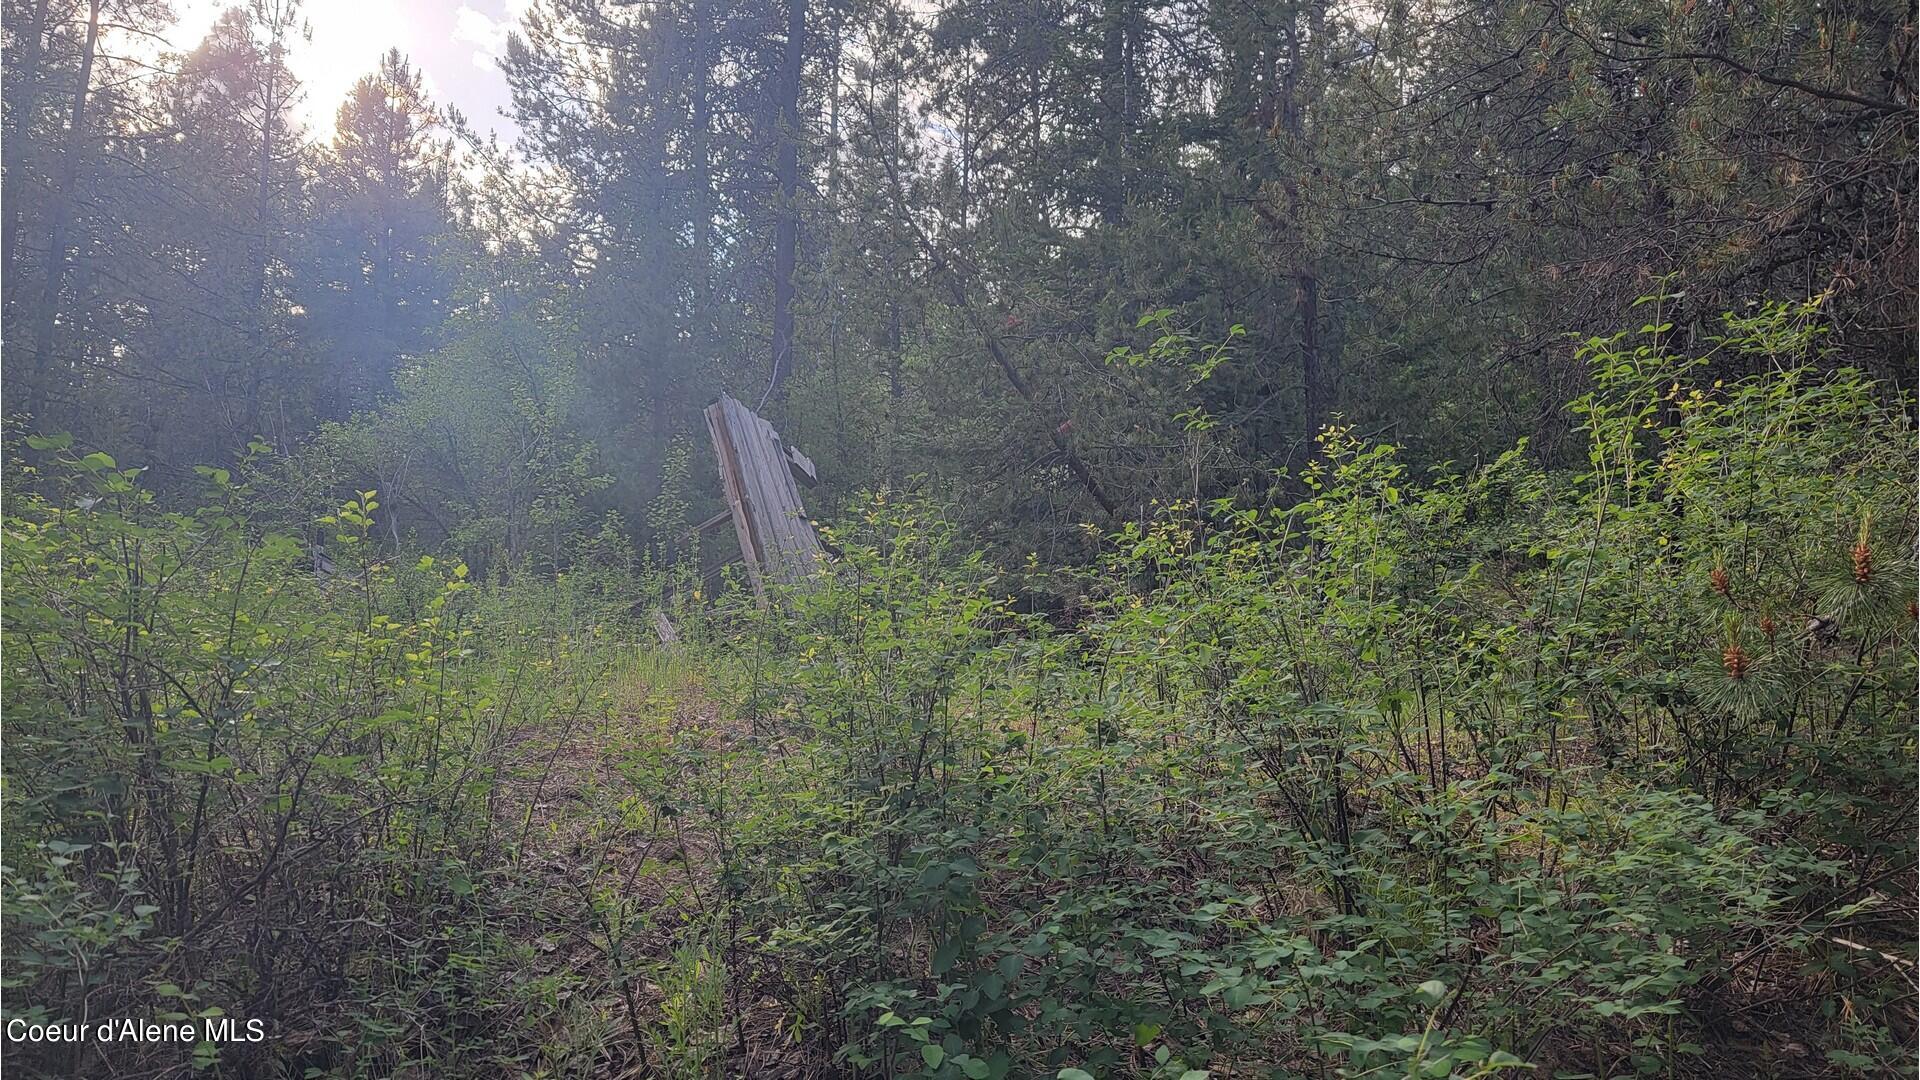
pixel 1477 772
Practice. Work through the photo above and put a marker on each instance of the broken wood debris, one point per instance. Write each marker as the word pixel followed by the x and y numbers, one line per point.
pixel 760 476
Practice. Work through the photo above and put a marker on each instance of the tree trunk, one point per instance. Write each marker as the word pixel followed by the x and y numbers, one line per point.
pixel 12 156
pixel 1306 283
pixel 702 183
pixel 1116 94
pixel 835 35
pixel 787 231
pixel 391 196
pixel 62 207
pixel 256 354
pixel 892 350
pixel 895 338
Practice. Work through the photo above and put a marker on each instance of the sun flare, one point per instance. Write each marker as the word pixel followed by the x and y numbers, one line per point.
pixel 343 41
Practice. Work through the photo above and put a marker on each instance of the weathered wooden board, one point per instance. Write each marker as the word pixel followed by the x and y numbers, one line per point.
pixel 758 473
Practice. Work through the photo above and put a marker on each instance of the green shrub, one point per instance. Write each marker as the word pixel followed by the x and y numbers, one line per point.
pixel 238 786
pixel 1416 777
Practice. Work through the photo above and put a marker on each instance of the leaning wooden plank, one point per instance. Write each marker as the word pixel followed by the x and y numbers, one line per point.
pixel 770 502
pixel 771 506
pixel 733 488
pixel 799 549
pixel 761 477
pixel 796 531
pixel 741 430
pixel 801 546
pixel 750 439
pixel 800 530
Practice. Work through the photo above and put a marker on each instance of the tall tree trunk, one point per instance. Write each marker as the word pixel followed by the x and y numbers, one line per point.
pixel 61 210
pixel 660 304
pixel 1114 92
pixel 702 182
pixel 892 350
pixel 1036 145
pixel 837 50
pixel 787 232
pixel 894 343
pixel 1306 283
pixel 11 156
pixel 256 354
pixel 391 196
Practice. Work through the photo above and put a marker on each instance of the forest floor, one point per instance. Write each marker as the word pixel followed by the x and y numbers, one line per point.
pixel 623 885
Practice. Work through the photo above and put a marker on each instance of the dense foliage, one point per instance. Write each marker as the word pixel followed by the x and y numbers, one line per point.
pixel 1609 774
pixel 1603 773
pixel 238 788
pixel 1278 625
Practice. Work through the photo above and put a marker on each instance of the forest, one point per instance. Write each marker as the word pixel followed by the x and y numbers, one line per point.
pixel 1366 540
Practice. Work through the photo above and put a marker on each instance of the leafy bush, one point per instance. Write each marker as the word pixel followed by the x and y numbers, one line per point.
pixel 1604 774
pixel 1434 778
pixel 237 785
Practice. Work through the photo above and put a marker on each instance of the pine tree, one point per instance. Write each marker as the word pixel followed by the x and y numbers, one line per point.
pixel 376 282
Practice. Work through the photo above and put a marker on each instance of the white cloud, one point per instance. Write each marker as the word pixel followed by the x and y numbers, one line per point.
pixel 479 29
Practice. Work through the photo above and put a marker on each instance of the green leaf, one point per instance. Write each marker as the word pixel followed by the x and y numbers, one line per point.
pixel 932 1055
pixel 1073 1074
pixel 59 440
pixel 946 954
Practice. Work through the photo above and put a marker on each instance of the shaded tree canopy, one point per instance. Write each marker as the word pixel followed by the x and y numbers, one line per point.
pixel 917 235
